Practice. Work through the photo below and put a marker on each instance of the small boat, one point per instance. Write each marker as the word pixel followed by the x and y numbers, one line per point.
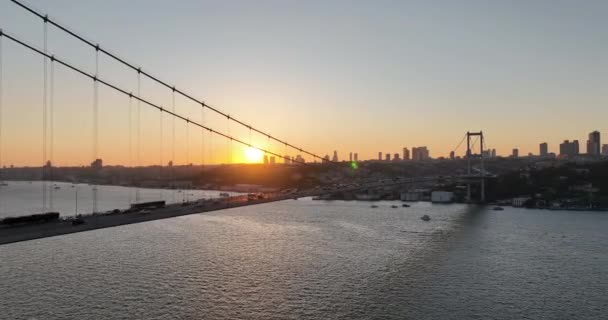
pixel 3 184
pixel 425 218
pixel 374 206
pixel 498 208
pixel 405 205
pixel 394 206
pixel 56 187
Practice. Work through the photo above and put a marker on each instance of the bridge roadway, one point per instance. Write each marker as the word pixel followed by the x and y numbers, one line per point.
pixel 11 234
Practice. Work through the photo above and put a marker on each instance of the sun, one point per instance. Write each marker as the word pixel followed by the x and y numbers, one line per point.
pixel 253 154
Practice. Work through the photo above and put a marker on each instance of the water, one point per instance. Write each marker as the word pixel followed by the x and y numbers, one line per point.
pixel 23 197
pixel 304 259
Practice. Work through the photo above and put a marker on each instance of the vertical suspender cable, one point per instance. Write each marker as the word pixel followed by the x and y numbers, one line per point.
pixel 138 137
pixel 1 109
pixel 44 120
pixel 173 148
pixel 51 133
pixel 185 191
pixel 95 129
pixel 160 158
pixel 130 148
pixel 202 138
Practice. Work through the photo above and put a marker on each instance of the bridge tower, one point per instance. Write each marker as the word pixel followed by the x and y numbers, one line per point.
pixel 471 156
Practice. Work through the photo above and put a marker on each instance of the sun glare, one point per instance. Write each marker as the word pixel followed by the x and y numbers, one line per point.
pixel 253 155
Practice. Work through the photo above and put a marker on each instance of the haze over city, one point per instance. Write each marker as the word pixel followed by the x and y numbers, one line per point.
pixel 349 76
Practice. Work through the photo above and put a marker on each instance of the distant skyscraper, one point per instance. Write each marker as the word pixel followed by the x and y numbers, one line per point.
pixel 420 153
pixel 569 149
pixel 356 157
pixel 326 158
pixel 299 159
pixel 97 164
pixel 335 158
pixel 287 159
pixel 273 160
pixel 605 149
pixel 388 157
pixel 493 153
pixel 396 157
pixel 451 155
pixel 380 156
pixel 406 154
pixel 515 153
pixel 593 144
pixel 544 149
pixel 265 159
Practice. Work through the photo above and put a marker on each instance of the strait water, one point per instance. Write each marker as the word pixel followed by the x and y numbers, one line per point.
pixel 304 259
pixel 19 198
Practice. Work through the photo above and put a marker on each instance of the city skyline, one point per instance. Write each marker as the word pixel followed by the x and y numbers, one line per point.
pixel 422 95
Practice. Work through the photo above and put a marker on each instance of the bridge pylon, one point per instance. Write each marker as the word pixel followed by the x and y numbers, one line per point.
pixel 472 156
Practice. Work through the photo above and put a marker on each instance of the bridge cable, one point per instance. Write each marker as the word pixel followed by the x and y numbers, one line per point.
pixel 95 131
pixel 155 79
pixel 44 118
pixel 460 143
pixel 160 157
pixel 138 140
pixel 131 148
pixel 51 134
pixel 185 190
pixel 1 110
pixel 173 163
pixel 138 98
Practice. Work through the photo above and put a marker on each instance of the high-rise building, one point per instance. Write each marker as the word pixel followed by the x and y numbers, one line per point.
pixel 97 164
pixel 350 157
pixel 265 159
pixel 380 156
pixel 326 158
pixel 544 149
pixel 273 160
pixel 593 144
pixel 335 157
pixel 605 149
pixel 406 154
pixel 452 155
pixel 493 153
pixel 356 157
pixel 569 149
pixel 287 159
pixel 388 157
pixel 396 157
pixel 515 153
pixel 299 159
pixel 420 153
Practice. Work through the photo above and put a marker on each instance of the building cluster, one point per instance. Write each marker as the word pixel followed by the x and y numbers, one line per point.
pixel 418 153
pixel 272 159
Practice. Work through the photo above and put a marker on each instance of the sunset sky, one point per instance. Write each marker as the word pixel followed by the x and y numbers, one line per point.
pixel 360 76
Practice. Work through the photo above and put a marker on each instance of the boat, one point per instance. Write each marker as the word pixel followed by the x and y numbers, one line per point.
pixel 425 218
pixel 497 208
pixel 56 187
pixel 374 206
pixel 405 205
pixel 394 206
pixel 3 184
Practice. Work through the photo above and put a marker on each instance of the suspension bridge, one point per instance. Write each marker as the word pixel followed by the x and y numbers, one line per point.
pixel 193 126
